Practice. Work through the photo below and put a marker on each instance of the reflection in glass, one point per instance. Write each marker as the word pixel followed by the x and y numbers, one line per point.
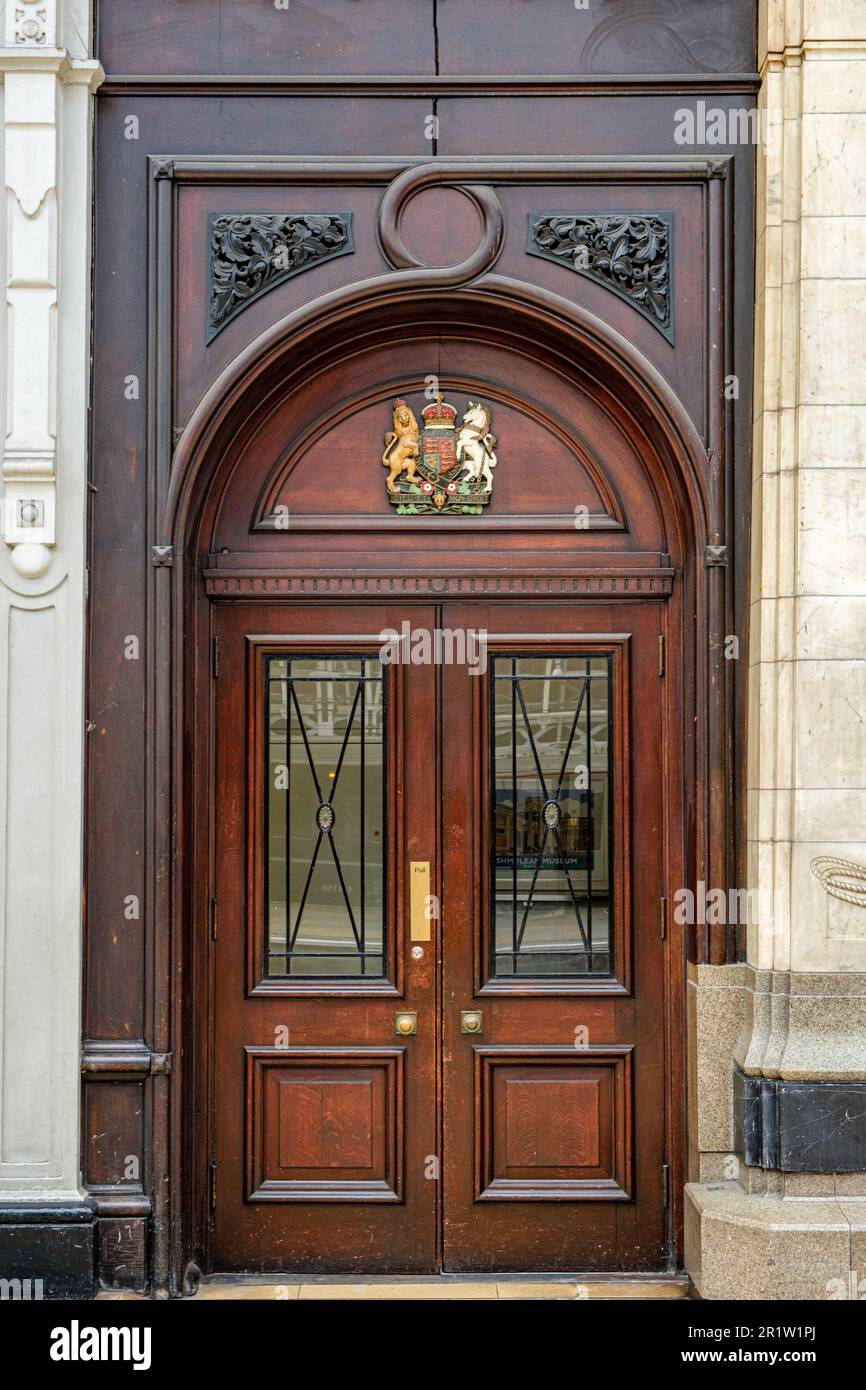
pixel 551 739
pixel 325 868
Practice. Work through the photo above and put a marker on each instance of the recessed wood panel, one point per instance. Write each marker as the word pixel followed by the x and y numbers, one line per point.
pixel 324 1123
pixel 604 36
pixel 553 1123
pixel 324 1126
pixel 246 36
pixel 114 1125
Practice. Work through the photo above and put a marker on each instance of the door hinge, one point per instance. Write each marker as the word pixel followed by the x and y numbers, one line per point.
pixel 663 918
pixel 215 662
pixel 213 1188
pixel 661 654
pixel 666 1185
pixel 214 919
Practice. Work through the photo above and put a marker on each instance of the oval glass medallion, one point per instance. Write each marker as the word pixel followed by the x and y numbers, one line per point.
pixel 325 818
pixel 552 814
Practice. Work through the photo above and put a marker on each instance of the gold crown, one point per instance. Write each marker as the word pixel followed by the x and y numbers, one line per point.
pixel 439 412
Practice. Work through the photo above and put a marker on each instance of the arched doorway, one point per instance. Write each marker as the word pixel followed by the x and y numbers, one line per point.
pixel 437 774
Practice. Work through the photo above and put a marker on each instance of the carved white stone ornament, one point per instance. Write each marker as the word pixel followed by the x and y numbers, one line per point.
pixel 31 20
pixel 32 68
pixel 35 74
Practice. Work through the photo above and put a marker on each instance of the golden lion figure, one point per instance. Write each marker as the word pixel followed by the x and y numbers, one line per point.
pixel 401 446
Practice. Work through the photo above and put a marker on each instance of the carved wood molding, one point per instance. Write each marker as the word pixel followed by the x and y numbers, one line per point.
pixel 250 253
pixel 628 253
pixel 456 85
pixel 109 1060
pixel 631 583
pixel 333 522
pixel 122 1199
pixel 362 170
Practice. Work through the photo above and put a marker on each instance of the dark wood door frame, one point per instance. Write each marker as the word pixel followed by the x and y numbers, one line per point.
pixel 688 478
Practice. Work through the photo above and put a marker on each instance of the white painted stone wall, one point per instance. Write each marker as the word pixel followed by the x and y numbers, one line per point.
pixel 48 77
pixel 807 701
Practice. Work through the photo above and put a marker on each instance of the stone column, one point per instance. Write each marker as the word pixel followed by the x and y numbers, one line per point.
pixel 778 1205
pixel 45 1227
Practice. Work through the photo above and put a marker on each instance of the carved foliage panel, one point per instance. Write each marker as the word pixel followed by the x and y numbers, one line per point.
pixel 250 253
pixel 628 253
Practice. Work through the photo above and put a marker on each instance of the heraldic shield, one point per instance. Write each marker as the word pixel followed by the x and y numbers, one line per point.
pixel 440 468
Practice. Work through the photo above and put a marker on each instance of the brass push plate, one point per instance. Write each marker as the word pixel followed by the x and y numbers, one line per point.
pixel 419 892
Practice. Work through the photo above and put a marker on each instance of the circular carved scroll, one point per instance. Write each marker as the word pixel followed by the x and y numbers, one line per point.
pixel 412 182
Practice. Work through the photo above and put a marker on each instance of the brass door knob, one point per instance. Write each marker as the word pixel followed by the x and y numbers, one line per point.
pixel 471 1021
pixel 406 1024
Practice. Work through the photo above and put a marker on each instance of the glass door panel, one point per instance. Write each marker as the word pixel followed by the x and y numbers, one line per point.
pixel 325 862
pixel 552 799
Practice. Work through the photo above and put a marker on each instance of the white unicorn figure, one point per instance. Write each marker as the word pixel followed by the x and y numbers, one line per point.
pixel 475 445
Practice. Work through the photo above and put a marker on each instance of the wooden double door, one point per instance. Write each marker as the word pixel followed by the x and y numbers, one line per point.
pixel 438 992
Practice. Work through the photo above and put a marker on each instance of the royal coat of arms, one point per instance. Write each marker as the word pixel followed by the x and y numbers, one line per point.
pixel 440 468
